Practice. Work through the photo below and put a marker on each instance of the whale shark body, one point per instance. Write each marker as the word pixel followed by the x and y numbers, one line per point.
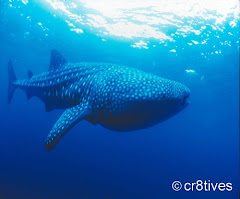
pixel 117 97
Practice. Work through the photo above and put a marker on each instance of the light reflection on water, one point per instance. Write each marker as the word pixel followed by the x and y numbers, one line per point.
pixel 146 19
pixel 142 22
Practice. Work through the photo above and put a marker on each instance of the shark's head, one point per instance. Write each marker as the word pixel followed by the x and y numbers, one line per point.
pixel 158 100
pixel 144 100
pixel 170 96
pixel 179 94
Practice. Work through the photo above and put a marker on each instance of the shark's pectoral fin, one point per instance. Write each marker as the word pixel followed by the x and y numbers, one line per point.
pixel 69 118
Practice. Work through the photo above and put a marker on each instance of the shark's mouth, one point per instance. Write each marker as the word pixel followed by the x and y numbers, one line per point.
pixel 185 101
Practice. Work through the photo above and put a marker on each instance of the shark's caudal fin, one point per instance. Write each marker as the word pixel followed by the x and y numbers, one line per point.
pixel 11 79
pixel 69 118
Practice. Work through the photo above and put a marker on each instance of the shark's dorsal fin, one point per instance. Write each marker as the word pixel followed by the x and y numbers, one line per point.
pixel 30 74
pixel 69 118
pixel 57 60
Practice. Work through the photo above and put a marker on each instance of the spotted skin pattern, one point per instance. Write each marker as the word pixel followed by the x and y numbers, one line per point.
pixel 117 97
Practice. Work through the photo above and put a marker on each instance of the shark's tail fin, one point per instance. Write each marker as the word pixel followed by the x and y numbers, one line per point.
pixel 12 78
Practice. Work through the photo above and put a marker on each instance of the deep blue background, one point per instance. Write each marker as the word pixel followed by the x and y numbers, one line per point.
pixel 202 142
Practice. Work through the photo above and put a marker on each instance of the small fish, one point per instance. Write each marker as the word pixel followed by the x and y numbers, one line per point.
pixel 117 97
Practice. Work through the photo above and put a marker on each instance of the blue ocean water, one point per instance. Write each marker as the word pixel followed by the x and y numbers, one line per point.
pixel 193 42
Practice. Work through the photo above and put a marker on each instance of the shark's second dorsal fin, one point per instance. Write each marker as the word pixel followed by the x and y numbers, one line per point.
pixel 57 60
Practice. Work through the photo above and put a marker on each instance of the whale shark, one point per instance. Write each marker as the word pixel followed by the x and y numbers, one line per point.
pixel 119 98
